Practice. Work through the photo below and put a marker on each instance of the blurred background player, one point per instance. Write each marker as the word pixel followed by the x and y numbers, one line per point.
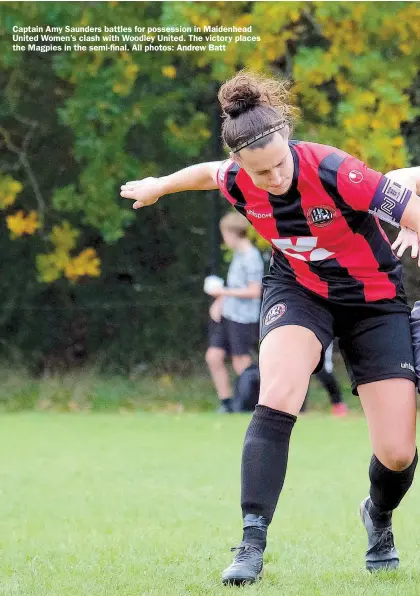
pixel 234 314
pixel 331 385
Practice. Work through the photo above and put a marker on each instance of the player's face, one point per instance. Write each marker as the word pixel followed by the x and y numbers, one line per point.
pixel 230 238
pixel 270 168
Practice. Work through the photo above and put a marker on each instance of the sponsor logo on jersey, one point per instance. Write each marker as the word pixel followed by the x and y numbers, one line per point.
pixel 258 215
pixel 320 216
pixel 275 313
pixel 302 248
pixel 356 176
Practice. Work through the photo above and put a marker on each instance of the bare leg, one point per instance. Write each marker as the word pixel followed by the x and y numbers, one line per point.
pixel 240 363
pixel 390 408
pixel 215 358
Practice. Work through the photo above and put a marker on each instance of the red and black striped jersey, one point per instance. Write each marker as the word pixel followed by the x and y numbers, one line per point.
pixel 325 231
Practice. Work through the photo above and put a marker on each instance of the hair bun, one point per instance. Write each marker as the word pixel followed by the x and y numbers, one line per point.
pixel 240 98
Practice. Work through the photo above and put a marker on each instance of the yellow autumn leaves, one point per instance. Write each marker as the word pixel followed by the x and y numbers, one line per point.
pixel 59 262
pixel 351 82
pixel 127 74
pixel 169 71
pixel 9 189
pixel 21 223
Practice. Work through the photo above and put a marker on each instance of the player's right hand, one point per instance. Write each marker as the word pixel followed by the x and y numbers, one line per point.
pixel 144 192
pixel 407 239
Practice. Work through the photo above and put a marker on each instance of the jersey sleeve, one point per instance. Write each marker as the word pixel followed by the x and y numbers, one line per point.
pixel 365 189
pixel 222 172
pixel 226 175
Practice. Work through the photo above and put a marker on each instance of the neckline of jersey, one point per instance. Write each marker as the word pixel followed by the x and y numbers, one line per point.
pixel 293 184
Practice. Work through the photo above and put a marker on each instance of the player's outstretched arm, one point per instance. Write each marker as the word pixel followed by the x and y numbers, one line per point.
pixel 409 177
pixel 411 216
pixel 407 238
pixel 145 192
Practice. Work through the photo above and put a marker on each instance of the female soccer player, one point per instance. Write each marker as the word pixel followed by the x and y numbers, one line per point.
pixel 332 273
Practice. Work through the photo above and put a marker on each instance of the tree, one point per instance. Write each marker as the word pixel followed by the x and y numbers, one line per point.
pixel 73 249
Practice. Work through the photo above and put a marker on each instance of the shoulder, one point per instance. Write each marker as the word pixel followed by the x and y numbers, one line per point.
pixel 336 167
pixel 312 154
pixel 227 172
pixel 253 257
pixel 254 252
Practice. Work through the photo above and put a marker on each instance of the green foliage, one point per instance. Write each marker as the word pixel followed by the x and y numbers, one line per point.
pixel 111 117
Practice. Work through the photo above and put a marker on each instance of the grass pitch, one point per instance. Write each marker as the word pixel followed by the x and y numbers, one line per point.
pixel 148 504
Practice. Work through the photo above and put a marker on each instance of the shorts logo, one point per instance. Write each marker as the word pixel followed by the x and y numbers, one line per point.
pixel 356 176
pixel 275 313
pixel 320 216
pixel 407 365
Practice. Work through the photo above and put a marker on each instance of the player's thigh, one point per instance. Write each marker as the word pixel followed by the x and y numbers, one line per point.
pixel 215 357
pixel 390 409
pixel 377 348
pixel 288 356
pixel 290 305
pixel 379 357
pixel 295 330
pixel 240 363
pixel 218 344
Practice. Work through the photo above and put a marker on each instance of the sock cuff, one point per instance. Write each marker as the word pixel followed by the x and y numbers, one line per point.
pixel 272 414
pixel 379 467
pixel 270 424
pixel 388 487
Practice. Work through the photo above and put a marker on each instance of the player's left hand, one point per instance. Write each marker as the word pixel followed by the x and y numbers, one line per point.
pixel 215 310
pixel 216 292
pixel 407 239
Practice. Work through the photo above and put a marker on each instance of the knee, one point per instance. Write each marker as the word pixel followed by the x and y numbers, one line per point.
pixel 214 359
pixel 398 458
pixel 240 363
pixel 286 396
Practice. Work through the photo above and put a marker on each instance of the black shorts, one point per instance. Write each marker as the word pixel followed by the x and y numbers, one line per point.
pixel 374 338
pixel 237 339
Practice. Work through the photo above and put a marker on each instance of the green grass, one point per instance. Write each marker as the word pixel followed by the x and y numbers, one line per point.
pixel 147 504
pixel 87 390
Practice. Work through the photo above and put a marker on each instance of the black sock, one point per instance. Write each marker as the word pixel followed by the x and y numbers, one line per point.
pixel 330 384
pixel 387 489
pixel 227 403
pixel 264 462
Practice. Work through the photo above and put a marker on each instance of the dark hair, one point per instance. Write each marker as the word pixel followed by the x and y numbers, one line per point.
pixel 252 104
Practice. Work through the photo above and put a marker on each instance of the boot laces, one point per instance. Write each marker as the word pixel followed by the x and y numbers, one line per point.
pixel 386 540
pixel 245 551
